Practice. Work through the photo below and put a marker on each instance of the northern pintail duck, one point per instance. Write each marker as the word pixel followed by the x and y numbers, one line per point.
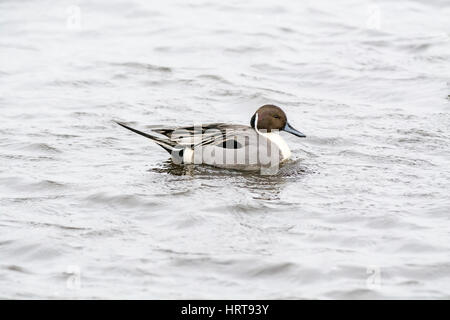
pixel 233 146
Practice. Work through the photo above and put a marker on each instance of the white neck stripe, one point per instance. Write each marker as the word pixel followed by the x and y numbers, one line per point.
pixel 256 123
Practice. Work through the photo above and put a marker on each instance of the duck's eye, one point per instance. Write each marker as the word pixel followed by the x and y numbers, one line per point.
pixel 276 116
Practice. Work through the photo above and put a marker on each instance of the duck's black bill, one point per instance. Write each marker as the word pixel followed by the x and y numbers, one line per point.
pixel 295 132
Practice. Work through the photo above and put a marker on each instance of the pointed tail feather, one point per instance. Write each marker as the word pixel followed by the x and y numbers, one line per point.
pixel 166 144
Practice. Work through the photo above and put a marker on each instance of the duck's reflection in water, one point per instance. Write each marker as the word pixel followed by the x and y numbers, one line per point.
pixel 264 187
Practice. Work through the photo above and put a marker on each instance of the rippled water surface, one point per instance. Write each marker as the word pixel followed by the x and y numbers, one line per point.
pixel 90 210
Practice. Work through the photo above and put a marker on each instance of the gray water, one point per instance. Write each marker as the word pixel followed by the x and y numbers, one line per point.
pixel 90 210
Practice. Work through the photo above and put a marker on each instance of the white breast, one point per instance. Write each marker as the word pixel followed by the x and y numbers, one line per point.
pixel 188 155
pixel 279 142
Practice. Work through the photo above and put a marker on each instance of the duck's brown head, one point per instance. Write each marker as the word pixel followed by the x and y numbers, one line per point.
pixel 269 118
